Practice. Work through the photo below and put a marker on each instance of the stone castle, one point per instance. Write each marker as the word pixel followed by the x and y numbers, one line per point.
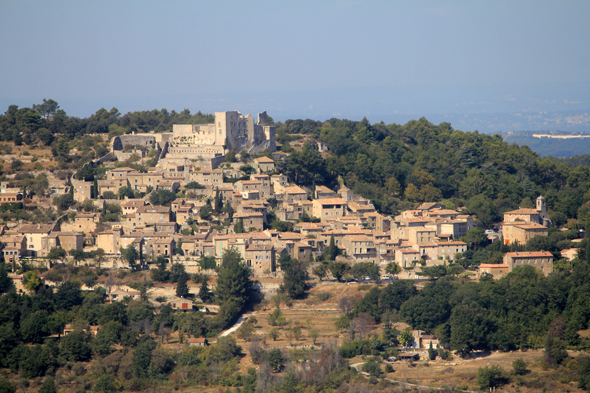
pixel 204 143
pixel 231 131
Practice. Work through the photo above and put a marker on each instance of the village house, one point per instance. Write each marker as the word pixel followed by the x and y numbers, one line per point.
pixel 265 185
pixel 10 197
pixel 207 177
pixel 250 220
pixel 496 270
pixel 294 193
pixel 109 241
pixel 521 233
pixel 139 181
pixel 162 246
pixel 86 222
pixel 150 215
pixel 261 258
pixel 264 164
pixel 34 235
pixel 541 260
pixel 360 247
pixel 82 190
pixel 197 342
pixel 178 303
pixel 15 247
pixel 278 182
pixel 328 208
pixel 130 206
pixel 66 240
pixel 322 192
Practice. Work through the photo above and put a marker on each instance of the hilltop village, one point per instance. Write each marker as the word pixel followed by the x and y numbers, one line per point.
pixel 169 252
pixel 197 201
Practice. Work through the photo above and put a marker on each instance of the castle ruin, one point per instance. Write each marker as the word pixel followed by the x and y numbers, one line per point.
pixel 231 131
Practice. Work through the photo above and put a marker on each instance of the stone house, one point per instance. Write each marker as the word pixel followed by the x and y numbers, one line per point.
pixel 521 233
pixel 279 182
pixel 86 222
pixel 10 197
pixel 497 270
pixel 162 246
pixel 130 206
pixel 264 164
pixel 150 215
pixel 15 247
pixel 139 181
pixel 325 209
pixel 207 177
pixel 178 303
pixel 251 220
pixel 109 241
pixel 541 260
pixel 82 190
pixel 294 193
pixel 260 258
pixel 34 235
pixel 360 247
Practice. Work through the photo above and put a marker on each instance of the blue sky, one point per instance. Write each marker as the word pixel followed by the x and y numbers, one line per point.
pixel 387 60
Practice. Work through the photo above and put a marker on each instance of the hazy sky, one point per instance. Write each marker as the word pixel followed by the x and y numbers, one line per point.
pixel 315 59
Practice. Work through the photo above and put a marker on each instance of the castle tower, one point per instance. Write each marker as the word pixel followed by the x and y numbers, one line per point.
pixel 541 204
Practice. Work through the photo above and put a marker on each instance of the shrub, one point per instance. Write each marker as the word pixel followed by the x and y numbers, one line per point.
pixel 490 377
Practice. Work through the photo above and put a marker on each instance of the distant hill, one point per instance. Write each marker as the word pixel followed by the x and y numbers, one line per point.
pixel 554 143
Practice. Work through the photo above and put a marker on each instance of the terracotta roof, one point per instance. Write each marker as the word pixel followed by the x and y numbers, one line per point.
pixel 529 254
pixel 493 265
pixel 330 201
pixel 263 159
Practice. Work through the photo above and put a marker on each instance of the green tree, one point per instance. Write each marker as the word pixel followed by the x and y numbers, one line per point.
pixel 31 281
pixel 205 212
pixel 218 202
pixel 126 192
pixel 320 271
pixel 204 293
pixel 206 262
pixel 294 277
pixel 338 269
pixel 47 108
pixel 519 367
pixel 74 347
pixel 406 337
pixel 490 377
pixel 106 383
pixel 276 360
pixel 233 282
pixel 372 368
pixel 239 226
pixel 393 268
pixel 274 334
pixel 555 350
pixel 162 197
pixel 130 255
pixel 431 352
pixel 332 251
pixel 6 386
pixel 181 286
pixel 48 386
pixel 5 281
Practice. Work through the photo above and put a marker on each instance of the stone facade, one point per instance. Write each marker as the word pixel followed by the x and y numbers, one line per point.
pixel 231 131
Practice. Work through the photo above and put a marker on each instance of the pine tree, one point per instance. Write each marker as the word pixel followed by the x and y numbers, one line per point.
pixel 218 203
pixel 204 292
pixel 431 352
pixel 239 226
pixel 181 286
